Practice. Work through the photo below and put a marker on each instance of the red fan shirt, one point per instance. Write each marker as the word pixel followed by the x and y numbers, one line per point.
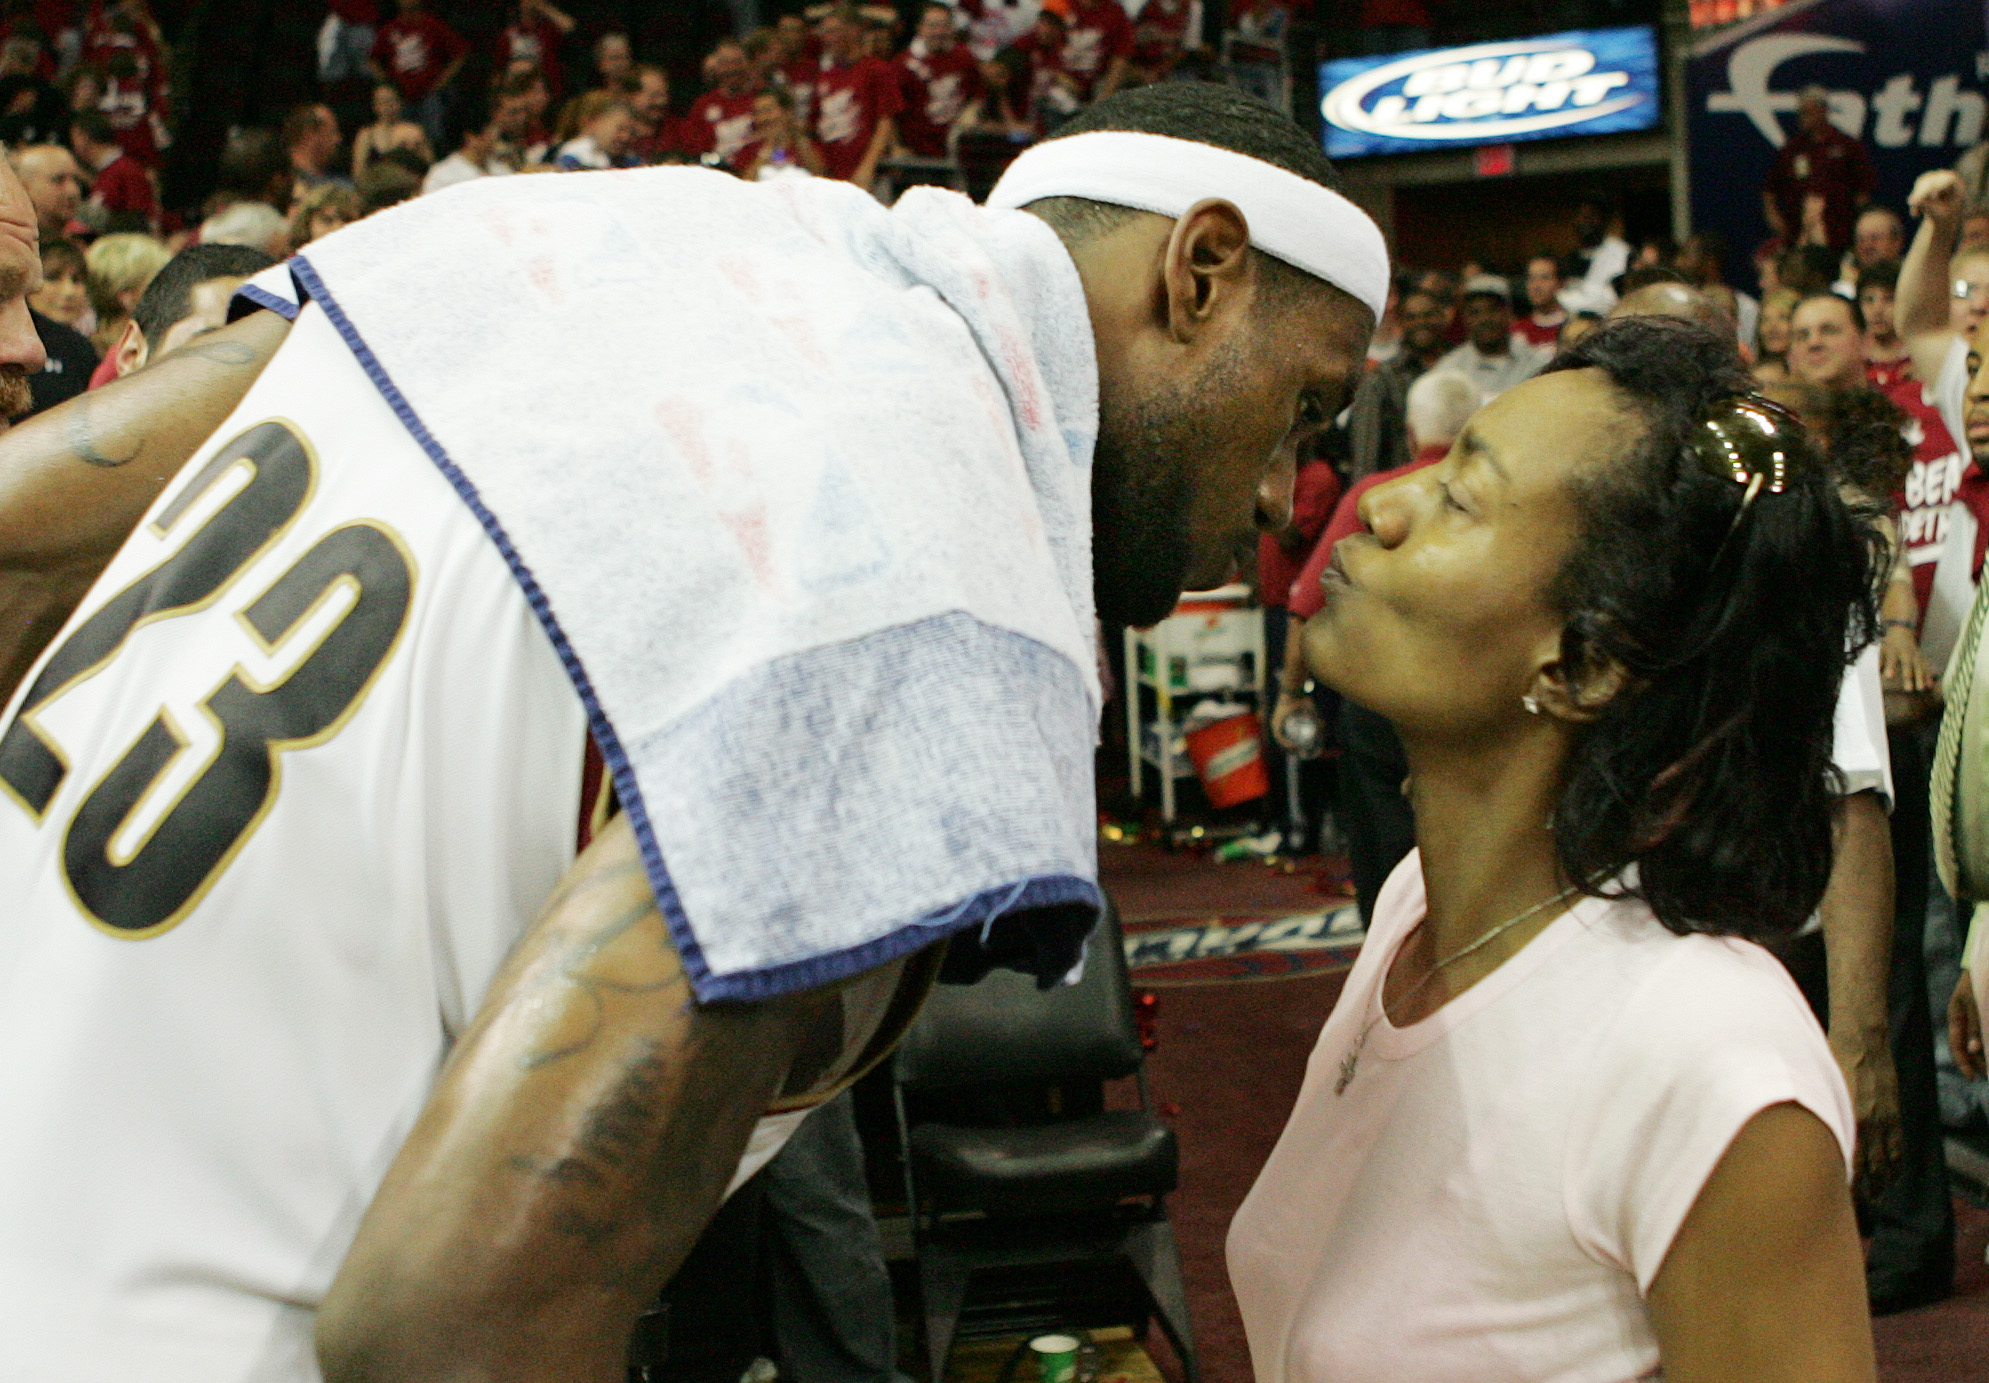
pixel 1314 494
pixel 935 89
pixel 1884 374
pixel 1941 473
pixel 719 124
pixel 536 43
pixel 1831 165
pixel 672 139
pixel 134 119
pixel 1539 333
pixel 105 39
pixel 415 50
pixel 1160 33
pixel 1096 33
pixel 1033 89
pixel 123 185
pixel 850 100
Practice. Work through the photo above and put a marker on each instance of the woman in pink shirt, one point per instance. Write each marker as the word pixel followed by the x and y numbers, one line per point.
pixel 1569 1121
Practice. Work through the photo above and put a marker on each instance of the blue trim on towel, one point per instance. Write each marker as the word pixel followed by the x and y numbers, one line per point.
pixel 703 982
pixel 262 297
pixel 982 909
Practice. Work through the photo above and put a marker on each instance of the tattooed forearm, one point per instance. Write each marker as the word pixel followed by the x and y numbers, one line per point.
pixel 627 952
pixel 612 1136
pixel 618 1128
pixel 83 439
pixel 220 352
pixel 579 1138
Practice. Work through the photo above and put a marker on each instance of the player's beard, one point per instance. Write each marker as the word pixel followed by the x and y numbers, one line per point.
pixel 15 396
pixel 1141 489
pixel 1143 484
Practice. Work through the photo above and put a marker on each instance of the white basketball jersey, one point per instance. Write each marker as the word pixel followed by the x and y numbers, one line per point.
pixel 273 807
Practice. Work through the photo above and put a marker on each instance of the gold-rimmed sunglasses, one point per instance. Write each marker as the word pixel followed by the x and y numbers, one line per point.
pixel 1749 440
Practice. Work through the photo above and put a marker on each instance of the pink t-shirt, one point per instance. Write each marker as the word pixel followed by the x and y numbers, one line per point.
pixel 1494 1192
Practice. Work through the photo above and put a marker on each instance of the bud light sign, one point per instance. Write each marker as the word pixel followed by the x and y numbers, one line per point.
pixel 1590 81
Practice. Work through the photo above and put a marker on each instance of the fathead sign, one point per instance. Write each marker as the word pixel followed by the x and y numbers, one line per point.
pixel 1904 76
pixel 1589 81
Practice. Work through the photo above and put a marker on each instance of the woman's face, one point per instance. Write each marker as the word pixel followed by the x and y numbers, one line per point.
pixel 62 295
pixel 1438 612
pixel 1774 328
pixel 386 104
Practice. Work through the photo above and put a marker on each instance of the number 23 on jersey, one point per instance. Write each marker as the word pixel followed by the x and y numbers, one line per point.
pixel 154 831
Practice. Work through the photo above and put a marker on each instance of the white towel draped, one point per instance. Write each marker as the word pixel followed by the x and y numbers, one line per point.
pixel 800 487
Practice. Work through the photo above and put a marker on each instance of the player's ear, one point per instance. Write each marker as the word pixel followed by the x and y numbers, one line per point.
pixel 131 352
pixel 1206 266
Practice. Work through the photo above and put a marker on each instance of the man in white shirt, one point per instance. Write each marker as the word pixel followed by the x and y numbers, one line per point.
pixel 1942 300
pixel 474 156
pixel 1598 260
pixel 1493 356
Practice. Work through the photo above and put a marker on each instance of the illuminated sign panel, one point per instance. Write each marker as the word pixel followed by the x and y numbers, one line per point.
pixel 1589 81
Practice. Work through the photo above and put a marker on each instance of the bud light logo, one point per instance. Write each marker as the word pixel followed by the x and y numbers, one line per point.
pixel 1596 81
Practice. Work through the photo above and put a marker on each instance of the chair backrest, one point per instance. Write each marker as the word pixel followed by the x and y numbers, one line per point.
pixel 1003 1030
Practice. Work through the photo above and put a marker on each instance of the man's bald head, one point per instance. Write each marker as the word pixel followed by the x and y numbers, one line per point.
pixel 54 186
pixel 21 352
pixel 1674 300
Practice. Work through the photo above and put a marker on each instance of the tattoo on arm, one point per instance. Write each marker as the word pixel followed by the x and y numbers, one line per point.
pixel 220 352
pixel 618 956
pixel 82 436
pixel 651 1068
pixel 616 1136
pixel 83 440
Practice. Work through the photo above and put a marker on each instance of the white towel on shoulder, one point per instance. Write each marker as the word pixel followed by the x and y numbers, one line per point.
pixel 800 487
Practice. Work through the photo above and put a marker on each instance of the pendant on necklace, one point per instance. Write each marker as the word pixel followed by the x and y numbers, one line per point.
pixel 1350 1063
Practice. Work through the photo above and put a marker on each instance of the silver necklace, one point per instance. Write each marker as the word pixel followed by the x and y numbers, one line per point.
pixel 1351 1061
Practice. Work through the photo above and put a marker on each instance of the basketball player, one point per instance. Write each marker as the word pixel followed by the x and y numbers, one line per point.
pixel 296 1084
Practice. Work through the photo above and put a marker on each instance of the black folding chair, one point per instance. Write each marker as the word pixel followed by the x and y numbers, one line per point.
pixel 1025 1169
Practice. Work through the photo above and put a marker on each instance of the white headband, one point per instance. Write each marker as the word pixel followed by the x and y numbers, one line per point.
pixel 1308 226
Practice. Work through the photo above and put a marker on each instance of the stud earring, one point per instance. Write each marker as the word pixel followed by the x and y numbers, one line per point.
pixel 1532 706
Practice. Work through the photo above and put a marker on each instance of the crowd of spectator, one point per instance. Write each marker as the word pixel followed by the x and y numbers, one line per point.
pixel 845 96
pixel 847 92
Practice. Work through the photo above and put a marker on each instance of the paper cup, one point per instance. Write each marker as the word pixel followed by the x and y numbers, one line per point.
pixel 1056 1358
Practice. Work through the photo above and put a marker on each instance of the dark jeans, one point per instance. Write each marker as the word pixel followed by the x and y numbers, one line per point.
pixel 832 1310
pixel 1374 815
pixel 1912 1219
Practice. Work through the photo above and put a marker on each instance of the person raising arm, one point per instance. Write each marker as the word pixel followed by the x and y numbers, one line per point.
pixel 1942 296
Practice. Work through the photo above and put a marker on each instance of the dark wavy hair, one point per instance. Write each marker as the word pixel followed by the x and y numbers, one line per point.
pixel 1868 443
pixel 1710 771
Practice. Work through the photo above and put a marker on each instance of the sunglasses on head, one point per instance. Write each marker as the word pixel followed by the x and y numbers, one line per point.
pixel 1749 440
